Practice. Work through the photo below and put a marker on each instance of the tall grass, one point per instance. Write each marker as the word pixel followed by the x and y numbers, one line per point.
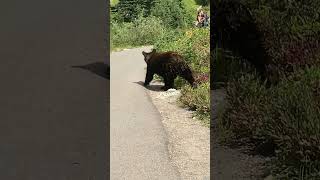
pixel 287 116
pixel 284 118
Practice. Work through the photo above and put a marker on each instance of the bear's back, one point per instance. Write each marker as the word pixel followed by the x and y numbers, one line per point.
pixel 167 63
pixel 166 60
pixel 166 57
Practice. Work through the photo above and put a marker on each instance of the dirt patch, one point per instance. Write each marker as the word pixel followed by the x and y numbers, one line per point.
pixel 189 139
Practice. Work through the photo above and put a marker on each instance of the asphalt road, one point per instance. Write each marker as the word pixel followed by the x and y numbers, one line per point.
pixel 53 118
pixel 138 140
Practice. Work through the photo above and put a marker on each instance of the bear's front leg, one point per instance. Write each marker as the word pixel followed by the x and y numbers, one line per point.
pixel 149 77
pixel 168 83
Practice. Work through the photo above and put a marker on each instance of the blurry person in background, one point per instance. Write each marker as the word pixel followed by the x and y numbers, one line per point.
pixel 202 18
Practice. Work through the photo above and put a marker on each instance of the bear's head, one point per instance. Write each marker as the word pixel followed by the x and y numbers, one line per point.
pixel 147 56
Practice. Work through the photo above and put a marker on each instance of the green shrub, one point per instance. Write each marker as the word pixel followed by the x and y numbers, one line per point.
pixel 129 10
pixel 143 31
pixel 290 33
pixel 295 124
pixel 203 2
pixel 225 66
pixel 191 11
pixel 246 105
pixel 197 99
pixel 291 29
pixel 287 114
pixel 171 12
pixel 193 44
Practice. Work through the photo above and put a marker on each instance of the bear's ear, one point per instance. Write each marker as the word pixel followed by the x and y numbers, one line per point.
pixel 153 51
pixel 146 56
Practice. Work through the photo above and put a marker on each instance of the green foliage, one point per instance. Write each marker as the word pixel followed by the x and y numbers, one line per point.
pixel 203 2
pixel 164 26
pixel 297 112
pixel 113 2
pixel 191 7
pixel 146 29
pixel 191 11
pixel 246 101
pixel 129 10
pixel 142 31
pixel 198 100
pixel 172 12
pixel 289 28
pixel 193 44
pixel 287 114
pixel 225 66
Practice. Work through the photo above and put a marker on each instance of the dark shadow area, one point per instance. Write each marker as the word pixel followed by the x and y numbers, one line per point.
pixel 150 87
pixel 233 26
pixel 99 68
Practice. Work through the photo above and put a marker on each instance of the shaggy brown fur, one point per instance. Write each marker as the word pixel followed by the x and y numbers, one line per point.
pixel 168 65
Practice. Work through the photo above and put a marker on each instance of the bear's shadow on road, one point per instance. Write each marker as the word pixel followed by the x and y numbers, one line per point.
pixel 98 68
pixel 152 87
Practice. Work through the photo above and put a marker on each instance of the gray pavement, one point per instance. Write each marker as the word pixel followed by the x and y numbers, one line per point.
pixel 138 140
pixel 53 118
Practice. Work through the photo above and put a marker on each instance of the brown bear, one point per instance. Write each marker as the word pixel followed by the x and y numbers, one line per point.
pixel 168 65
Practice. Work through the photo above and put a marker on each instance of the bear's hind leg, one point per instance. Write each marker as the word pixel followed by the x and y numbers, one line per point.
pixel 168 83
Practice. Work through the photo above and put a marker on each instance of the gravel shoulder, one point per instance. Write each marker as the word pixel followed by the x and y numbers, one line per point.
pixel 189 139
pixel 189 142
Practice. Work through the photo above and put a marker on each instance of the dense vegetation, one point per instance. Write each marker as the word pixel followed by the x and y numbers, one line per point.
pixel 194 45
pixel 168 26
pixel 283 118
